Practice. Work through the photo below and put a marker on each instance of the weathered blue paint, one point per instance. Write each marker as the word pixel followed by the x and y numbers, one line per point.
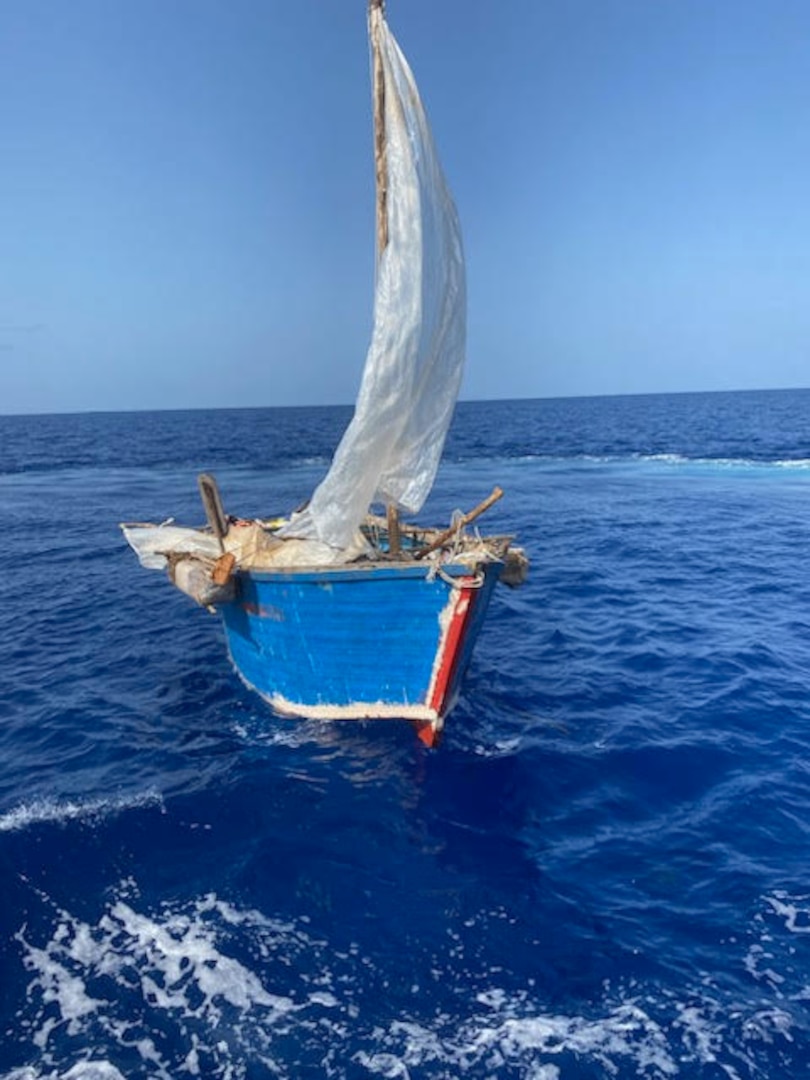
pixel 353 638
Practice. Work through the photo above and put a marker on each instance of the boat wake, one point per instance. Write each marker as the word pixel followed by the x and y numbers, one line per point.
pixel 209 989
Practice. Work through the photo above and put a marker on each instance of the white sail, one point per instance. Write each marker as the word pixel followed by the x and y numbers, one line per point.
pixel 390 452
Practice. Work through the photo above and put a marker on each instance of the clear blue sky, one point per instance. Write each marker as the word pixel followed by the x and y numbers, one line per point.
pixel 186 203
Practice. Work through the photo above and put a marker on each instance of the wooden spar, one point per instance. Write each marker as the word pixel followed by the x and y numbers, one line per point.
pixel 394 535
pixel 448 534
pixel 212 503
pixel 376 13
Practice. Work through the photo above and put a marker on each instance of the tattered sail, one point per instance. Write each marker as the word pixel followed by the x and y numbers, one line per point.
pixel 390 452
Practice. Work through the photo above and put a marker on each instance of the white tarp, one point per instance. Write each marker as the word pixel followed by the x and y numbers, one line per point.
pixel 253 546
pixel 391 449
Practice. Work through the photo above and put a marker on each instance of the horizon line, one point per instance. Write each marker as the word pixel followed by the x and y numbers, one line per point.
pixel 461 401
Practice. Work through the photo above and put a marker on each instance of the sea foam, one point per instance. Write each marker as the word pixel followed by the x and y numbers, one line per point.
pixel 62 811
pixel 222 989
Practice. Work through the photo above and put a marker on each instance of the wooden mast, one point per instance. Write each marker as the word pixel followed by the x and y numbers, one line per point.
pixel 376 14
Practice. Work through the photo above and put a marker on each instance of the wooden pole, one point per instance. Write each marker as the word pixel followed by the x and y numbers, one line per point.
pixel 462 522
pixel 394 535
pixel 376 13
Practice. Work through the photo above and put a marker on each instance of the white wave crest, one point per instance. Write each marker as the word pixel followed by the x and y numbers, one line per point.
pixel 666 459
pixel 794 910
pixel 82 1070
pixel 63 811
pixel 94 984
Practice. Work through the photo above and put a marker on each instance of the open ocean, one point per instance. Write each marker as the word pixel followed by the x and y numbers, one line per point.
pixel 603 871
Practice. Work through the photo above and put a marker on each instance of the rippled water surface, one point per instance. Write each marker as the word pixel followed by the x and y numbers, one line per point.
pixel 603 870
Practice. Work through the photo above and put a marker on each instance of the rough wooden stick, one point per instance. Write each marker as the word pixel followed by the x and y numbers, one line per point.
pixel 462 522
pixel 394 536
pixel 376 11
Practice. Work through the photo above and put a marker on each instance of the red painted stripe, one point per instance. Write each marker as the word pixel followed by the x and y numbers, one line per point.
pixel 451 647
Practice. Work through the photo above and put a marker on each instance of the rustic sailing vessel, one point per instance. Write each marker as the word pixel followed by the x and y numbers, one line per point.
pixel 334 613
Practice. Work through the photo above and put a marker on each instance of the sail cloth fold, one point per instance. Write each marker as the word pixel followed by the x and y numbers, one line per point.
pixel 390 452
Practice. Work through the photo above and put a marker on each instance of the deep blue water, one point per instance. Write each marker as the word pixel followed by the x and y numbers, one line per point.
pixel 604 871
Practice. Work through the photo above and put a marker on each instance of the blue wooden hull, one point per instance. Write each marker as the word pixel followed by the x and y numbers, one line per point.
pixel 377 641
